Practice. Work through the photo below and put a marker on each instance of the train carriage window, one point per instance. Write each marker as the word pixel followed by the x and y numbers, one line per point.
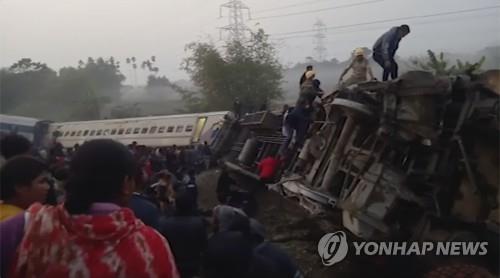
pixel 92 132
pixel 152 129
pixel 144 130
pixel 66 133
pixel 162 129
pixel 113 131
pixel 105 133
pixel 129 130
pixel 189 128
pixel 79 133
pixel 86 132
pixel 73 133
pixel 136 130
pixel 170 129
pixel 179 128
pixel 120 131
pixel 99 132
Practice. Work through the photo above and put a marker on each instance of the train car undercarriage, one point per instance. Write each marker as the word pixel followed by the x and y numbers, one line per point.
pixel 415 158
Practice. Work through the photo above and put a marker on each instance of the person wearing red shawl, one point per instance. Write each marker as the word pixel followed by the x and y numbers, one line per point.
pixel 92 234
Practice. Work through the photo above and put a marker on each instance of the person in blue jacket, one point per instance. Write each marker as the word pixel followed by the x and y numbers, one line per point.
pixel 385 49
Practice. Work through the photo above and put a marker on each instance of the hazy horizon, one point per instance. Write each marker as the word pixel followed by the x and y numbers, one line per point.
pixel 61 32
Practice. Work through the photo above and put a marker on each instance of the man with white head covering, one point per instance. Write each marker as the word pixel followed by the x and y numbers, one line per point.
pixel 360 68
pixel 309 89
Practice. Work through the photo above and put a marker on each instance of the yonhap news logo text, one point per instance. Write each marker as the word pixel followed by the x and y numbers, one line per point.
pixel 334 247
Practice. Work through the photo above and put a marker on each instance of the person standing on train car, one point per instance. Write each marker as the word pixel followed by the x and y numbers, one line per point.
pixel 384 50
pixel 360 68
pixel 303 77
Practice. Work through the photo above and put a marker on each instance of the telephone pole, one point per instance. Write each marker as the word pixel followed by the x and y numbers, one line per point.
pixel 236 29
pixel 319 39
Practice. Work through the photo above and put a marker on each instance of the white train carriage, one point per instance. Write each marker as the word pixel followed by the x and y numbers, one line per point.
pixel 180 130
pixel 33 129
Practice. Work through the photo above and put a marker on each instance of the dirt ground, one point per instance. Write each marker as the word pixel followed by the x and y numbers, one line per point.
pixel 292 228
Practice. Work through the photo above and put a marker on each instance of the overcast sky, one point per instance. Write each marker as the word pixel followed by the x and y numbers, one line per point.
pixel 60 32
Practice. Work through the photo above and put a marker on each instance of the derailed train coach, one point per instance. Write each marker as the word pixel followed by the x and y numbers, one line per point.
pixel 156 131
pixel 33 129
pixel 414 158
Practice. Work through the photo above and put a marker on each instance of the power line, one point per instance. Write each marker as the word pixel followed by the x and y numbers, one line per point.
pixel 384 27
pixel 290 6
pixel 320 10
pixel 392 20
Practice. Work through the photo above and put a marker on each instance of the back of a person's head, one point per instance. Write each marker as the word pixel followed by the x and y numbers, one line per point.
pixel 184 202
pixel 14 144
pixel 228 218
pixel 19 171
pixel 405 28
pixel 228 254
pixel 97 174
pixel 139 178
pixel 61 174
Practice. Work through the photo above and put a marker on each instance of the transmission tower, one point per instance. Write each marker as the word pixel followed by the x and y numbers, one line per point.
pixel 236 29
pixel 319 40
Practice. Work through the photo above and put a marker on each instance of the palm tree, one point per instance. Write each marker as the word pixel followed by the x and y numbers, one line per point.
pixel 438 65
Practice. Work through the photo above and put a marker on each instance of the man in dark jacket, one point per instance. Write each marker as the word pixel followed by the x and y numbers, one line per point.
pixel 186 234
pixel 385 49
pixel 142 205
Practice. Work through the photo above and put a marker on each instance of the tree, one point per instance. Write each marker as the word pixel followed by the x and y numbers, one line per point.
pixel 33 89
pixel 439 66
pixel 24 84
pixel 158 85
pixel 125 111
pixel 248 70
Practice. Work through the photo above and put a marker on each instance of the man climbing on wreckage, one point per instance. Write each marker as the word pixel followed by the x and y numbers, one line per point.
pixel 385 49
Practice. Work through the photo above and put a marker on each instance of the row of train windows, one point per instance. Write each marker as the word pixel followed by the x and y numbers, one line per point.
pixel 137 130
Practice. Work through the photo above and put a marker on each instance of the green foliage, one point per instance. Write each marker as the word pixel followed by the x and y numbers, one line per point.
pixel 158 85
pixel 439 66
pixel 160 81
pixel 24 82
pixel 33 89
pixel 248 70
pixel 125 111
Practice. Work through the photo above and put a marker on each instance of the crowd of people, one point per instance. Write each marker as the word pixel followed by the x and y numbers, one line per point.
pixel 104 209
pixel 108 210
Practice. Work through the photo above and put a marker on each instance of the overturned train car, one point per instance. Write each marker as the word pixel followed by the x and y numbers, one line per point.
pixel 415 158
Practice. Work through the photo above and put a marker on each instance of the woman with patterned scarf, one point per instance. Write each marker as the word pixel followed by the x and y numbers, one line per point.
pixel 92 234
